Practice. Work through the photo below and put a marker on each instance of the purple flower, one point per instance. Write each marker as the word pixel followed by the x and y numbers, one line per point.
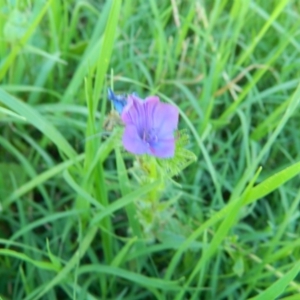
pixel 149 126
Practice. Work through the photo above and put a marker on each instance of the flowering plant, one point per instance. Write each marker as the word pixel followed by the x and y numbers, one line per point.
pixel 151 133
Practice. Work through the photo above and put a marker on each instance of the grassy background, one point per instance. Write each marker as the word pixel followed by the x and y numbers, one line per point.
pixel 68 221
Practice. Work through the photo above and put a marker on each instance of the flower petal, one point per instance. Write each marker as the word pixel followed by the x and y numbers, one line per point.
pixel 134 113
pixel 150 106
pixel 164 148
pixel 166 120
pixel 132 141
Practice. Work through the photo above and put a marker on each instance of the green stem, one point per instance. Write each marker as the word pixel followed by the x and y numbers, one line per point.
pixel 153 174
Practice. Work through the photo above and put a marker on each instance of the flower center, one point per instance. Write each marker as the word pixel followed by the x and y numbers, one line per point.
pixel 149 136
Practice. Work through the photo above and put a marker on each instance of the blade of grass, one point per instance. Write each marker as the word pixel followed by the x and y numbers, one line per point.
pixel 272 183
pixel 125 189
pixel 83 247
pixel 39 264
pixel 228 222
pixel 38 180
pixel 18 47
pixel 142 280
pixel 257 76
pixel 249 50
pixel 278 287
pixel 293 104
pixel 106 49
pixel 39 122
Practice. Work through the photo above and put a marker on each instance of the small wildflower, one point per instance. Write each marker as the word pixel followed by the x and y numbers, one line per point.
pixel 149 126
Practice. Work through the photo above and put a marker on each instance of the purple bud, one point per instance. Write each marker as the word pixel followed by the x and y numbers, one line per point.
pixel 119 101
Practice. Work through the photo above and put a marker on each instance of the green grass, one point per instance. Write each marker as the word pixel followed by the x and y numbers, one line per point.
pixel 72 225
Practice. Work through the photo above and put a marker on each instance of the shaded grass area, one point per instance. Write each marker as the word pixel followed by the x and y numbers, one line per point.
pixel 68 223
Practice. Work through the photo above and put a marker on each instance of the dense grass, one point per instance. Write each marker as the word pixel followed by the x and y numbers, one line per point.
pixel 70 224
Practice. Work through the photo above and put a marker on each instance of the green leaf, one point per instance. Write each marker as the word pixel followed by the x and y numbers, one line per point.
pixel 182 158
